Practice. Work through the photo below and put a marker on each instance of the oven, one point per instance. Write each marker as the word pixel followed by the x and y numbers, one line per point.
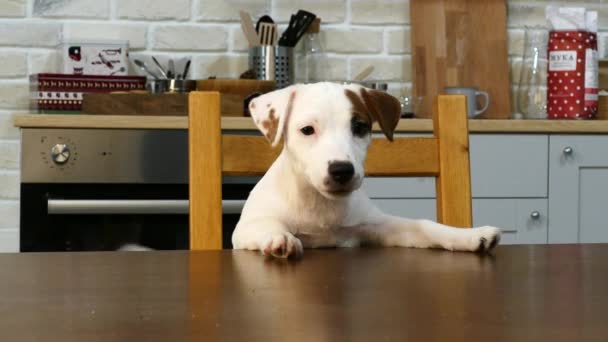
pixel 101 189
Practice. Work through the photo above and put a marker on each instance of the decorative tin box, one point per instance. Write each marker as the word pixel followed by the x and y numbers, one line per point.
pixel 63 93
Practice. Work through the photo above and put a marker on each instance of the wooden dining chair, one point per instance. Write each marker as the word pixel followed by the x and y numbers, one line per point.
pixel 212 155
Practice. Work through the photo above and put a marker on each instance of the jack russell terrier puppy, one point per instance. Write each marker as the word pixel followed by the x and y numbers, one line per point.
pixel 311 197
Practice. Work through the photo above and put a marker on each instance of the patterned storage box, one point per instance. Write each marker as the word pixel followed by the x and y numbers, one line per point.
pixel 62 93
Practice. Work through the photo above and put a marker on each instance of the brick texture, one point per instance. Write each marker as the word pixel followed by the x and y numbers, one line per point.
pixel 380 11
pixel 44 61
pixel 10 185
pixel 7 130
pixel 14 95
pixel 398 41
pixel 26 33
pixel 153 9
pixel 136 34
pixel 9 214
pixel 228 10
pixel 72 8
pixel 386 69
pixel 352 40
pixel 12 8
pixel 330 11
pixel 9 239
pixel 190 38
pixel 13 64
pixel 9 155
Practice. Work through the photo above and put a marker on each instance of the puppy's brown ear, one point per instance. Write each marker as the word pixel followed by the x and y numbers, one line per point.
pixel 270 112
pixel 383 108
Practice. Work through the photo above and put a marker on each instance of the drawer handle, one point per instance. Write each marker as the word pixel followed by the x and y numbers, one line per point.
pixel 568 150
pixel 535 215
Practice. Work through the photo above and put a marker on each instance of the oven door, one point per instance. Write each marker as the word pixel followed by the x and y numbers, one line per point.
pixel 100 217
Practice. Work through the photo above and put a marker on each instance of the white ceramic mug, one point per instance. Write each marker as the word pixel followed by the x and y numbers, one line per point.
pixel 471 94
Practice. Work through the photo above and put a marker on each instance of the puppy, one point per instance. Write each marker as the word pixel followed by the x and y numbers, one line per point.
pixel 311 197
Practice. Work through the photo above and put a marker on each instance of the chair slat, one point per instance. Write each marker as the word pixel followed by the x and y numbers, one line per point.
pixel 454 180
pixel 204 153
pixel 252 156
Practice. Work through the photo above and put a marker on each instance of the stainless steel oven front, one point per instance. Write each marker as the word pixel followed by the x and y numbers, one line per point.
pixel 99 189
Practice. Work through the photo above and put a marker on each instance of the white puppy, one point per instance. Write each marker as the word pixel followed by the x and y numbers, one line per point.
pixel 311 196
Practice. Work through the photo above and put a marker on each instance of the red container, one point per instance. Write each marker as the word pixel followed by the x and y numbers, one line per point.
pixel 63 92
pixel 572 77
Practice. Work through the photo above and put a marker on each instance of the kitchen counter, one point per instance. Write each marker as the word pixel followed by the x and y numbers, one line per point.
pixel 236 123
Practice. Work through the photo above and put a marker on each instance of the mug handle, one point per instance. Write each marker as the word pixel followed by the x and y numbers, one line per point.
pixel 485 107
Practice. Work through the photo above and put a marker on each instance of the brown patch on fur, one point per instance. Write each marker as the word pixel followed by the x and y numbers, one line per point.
pixel 268 105
pixel 383 108
pixel 271 125
pixel 359 109
pixel 252 105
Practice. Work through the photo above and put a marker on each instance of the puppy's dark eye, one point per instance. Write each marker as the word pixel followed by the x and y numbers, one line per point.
pixel 308 130
pixel 360 128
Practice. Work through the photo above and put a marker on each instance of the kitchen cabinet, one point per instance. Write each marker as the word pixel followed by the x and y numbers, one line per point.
pixel 542 181
pixel 578 189
pixel 509 176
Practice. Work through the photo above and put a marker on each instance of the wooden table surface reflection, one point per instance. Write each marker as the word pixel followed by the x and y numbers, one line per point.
pixel 557 292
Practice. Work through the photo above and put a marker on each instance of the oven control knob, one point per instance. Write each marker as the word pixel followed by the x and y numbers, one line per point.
pixel 60 153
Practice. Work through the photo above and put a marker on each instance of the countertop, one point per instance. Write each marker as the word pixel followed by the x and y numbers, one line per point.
pixel 542 292
pixel 236 123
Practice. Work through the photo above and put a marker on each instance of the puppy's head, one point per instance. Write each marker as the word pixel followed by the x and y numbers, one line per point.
pixel 326 129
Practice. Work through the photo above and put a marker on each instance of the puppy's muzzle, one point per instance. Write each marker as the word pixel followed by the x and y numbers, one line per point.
pixel 341 172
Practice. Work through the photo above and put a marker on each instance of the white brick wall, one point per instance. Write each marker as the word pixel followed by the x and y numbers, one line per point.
pixel 356 33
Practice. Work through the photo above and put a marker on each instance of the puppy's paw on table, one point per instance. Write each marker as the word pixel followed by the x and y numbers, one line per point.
pixel 486 238
pixel 283 245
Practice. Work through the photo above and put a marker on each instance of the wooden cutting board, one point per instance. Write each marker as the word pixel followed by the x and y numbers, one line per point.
pixel 461 43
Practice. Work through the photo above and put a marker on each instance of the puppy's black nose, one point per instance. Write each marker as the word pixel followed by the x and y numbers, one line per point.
pixel 341 172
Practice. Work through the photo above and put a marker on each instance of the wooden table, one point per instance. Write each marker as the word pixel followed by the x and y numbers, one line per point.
pixel 543 293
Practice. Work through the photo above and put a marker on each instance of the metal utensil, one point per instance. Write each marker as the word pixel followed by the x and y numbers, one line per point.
pixel 298 24
pixel 267 33
pixel 186 69
pixel 171 66
pixel 144 68
pixel 364 74
pixel 159 67
pixel 263 19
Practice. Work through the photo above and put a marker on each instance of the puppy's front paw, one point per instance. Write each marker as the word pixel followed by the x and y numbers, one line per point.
pixel 485 239
pixel 283 245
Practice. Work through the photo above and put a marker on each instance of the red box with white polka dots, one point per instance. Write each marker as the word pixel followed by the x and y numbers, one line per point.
pixel 572 75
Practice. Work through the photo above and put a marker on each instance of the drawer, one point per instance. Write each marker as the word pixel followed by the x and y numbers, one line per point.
pixel 513 165
pixel 9 240
pixel 523 220
pixel 421 208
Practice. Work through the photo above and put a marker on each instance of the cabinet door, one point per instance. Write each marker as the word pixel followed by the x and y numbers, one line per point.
pixel 508 166
pixel 578 189
pixel 522 220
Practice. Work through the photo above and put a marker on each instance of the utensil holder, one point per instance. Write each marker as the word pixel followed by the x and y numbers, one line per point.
pixel 274 63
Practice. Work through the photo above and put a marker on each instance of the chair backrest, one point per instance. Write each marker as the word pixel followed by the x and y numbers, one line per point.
pixel 444 156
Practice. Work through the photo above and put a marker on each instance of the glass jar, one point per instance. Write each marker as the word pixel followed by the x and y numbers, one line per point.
pixel 532 87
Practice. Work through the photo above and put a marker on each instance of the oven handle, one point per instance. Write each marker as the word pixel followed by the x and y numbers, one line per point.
pixel 139 207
